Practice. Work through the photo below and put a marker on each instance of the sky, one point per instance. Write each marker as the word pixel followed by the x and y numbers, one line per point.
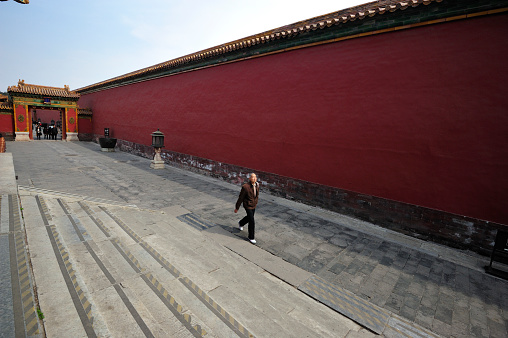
pixel 82 42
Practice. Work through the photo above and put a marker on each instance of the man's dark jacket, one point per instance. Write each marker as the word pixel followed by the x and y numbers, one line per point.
pixel 247 196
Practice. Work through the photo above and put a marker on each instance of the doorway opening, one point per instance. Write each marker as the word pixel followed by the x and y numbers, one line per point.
pixel 47 123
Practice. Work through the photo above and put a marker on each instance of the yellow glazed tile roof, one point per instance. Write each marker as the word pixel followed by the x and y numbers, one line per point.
pixel 25 88
pixel 85 111
pixel 5 105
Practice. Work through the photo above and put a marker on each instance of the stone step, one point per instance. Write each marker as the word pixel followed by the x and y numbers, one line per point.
pixel 122 271
pixel 18 306
pixel 63 296
pixel 239 286
pixel 117 293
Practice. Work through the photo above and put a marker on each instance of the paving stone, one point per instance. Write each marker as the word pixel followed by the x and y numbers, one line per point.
pixel 462 284
pixel 416 289
pixel 358 279
pixel 358 247
pixel 323 233
pixel 351 253
pixel 427 311
pixel 386 261
pixel 337 268
pixel 379 298
pixel 412 301
pixel 309 243
pixel 378 272
pixel 327 248
pixel 392 276
pixel 384 287
pixel 345 259
pixel 384 246
pixel 353 268
pixel 338 241
pixel 399 263
pixel 461 300
pixel 497 329
pixel 426 262
pixel 441 328
pixel 367 268
pixel 424 320
pixel 493 312
pixel 394 303
pixel 423 272
pixel 310 264
pixel 399 291
pixel 296 251
pixel 328 276
pixel 444 314
pixel 460 314
pixel 403 253
pixel 410 268
pixel 408 312
pixel 478 331
pixel 478 316
pixel 460 329
pixel 435 278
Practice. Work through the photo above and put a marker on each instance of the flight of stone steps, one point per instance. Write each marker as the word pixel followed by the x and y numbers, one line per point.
pixel 103 269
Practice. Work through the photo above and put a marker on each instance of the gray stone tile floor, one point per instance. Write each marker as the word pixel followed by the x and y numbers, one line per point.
pixel 441 289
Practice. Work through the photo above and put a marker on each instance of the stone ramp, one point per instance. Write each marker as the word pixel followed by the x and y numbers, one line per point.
pixel 109 270
pixel 18 307
pixel 8 184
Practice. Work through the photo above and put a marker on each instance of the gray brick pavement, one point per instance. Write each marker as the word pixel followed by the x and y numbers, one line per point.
pixel 422 286
pixel 6 306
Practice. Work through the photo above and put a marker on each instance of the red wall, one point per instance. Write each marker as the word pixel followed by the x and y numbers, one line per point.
pixel 418 115
pixel 46 115
pixel 6 123
pixel 84 125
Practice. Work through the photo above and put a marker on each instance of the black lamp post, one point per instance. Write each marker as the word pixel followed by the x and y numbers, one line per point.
pixel 157 144
pixel 157 139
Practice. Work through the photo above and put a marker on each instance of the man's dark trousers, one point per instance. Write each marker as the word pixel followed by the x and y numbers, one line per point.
pixel 249 219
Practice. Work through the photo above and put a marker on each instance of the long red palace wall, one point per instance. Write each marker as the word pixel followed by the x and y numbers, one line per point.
pixel 417 116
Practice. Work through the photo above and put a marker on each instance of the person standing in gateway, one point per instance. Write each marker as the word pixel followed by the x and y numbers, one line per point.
pixel 249 198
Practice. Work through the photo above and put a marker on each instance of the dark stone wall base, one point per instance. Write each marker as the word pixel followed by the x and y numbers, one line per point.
pixel 8 136
pixel 85 137
pixel 453 230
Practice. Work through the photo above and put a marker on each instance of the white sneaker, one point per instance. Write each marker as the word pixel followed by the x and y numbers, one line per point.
pixel 240 227
pixel 253 241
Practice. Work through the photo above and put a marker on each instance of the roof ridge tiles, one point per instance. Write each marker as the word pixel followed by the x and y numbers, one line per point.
pixel 27 88
pixel 5 105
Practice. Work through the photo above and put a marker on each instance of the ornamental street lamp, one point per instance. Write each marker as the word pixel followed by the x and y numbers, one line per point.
pixel 157 144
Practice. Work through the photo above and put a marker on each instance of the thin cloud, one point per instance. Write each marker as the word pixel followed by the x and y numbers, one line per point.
pixel 83 42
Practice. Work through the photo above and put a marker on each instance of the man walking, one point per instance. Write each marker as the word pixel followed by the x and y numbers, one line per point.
pixel 249 198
